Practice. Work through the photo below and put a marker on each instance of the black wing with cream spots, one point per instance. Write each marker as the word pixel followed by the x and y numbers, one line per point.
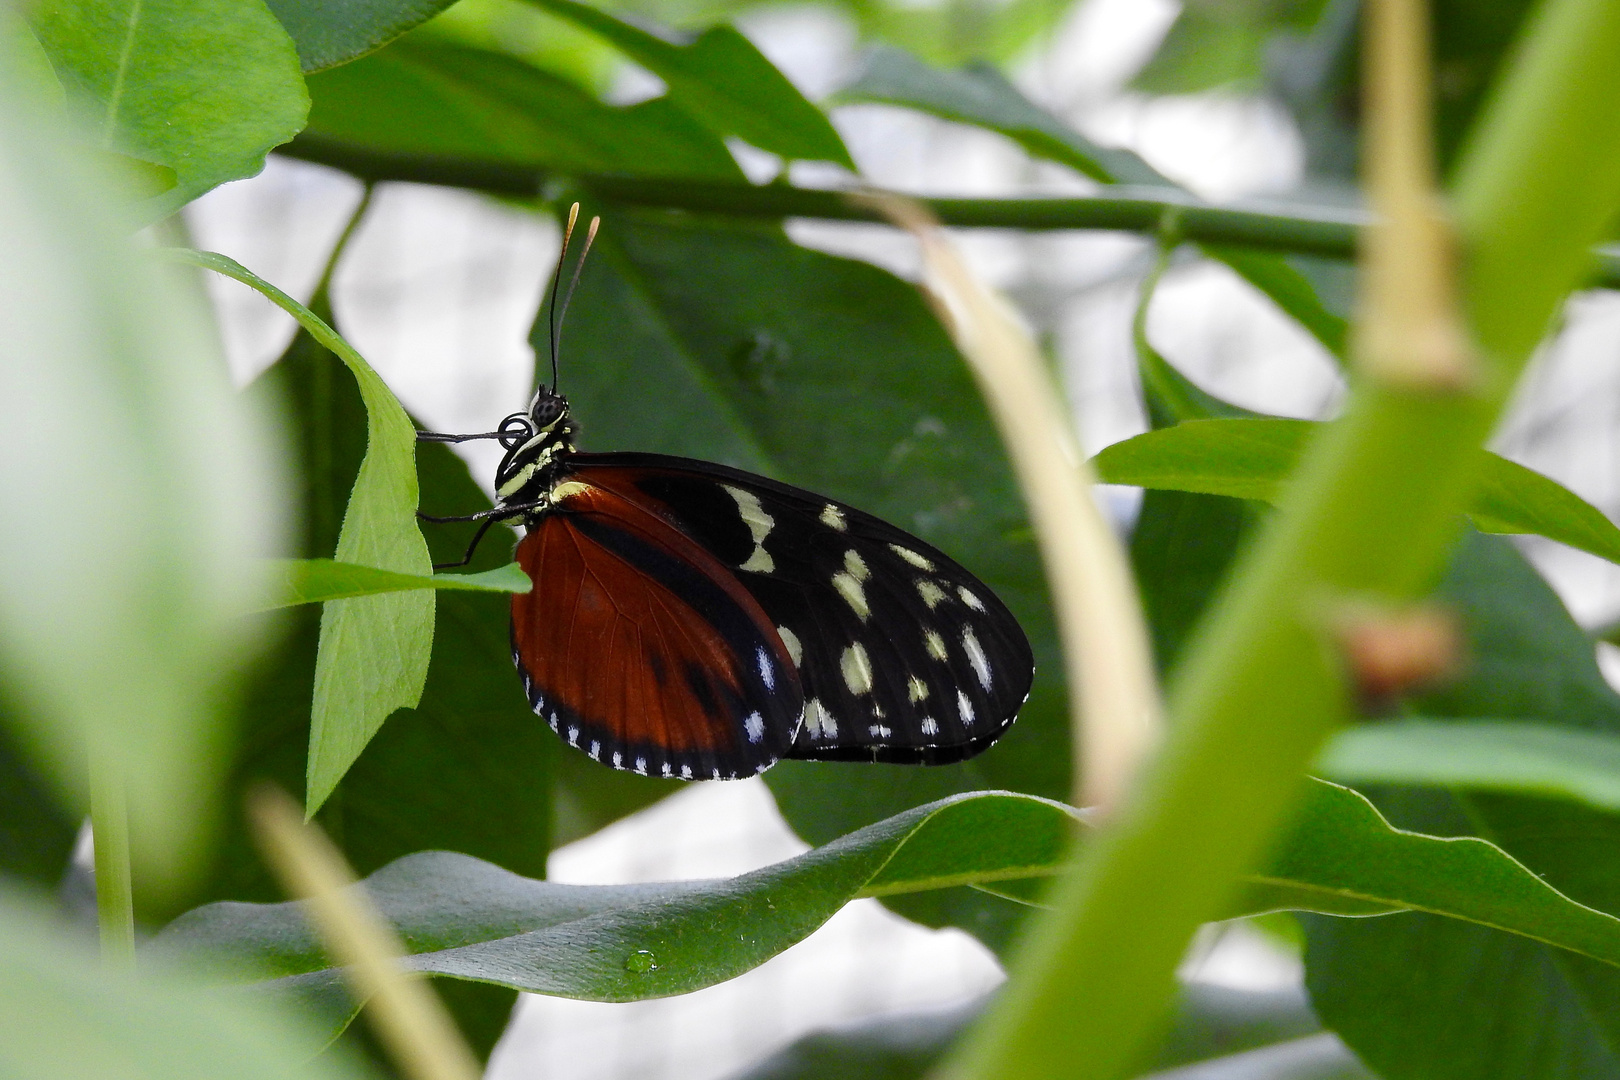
pixel 903 655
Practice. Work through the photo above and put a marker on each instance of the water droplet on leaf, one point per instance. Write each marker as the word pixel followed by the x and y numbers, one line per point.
pixel 641 962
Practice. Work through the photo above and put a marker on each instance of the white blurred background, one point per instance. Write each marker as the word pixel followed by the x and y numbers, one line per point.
pixel 438 290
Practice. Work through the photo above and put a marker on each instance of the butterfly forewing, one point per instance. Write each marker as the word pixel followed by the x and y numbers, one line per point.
pixel 902 655
pixel 642 649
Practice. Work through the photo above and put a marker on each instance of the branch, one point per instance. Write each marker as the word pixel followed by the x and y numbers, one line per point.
pixel 1299 229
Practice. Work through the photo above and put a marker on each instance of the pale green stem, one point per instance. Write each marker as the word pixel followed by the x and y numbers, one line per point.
pixel 109 822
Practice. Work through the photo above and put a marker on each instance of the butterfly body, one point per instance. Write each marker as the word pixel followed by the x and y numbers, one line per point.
pixel 696 621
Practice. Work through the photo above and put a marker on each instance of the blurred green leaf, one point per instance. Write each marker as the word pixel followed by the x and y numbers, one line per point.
pixel 204 87
pixel 720 78
pixel 62 1014
pixel 1204 50
pixel 374 649
pixel 1493 755
pixel 37 833
pixel 1210 1023
pixel 312 581
pixel 428 97
pixel 1252 458
pixel 689 336
pixel 328 33
pixel 980 95
pixel 120 634
pixel 1290 290
pixel 1422 997
pixel 468 769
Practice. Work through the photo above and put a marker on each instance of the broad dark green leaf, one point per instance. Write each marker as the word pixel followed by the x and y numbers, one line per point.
pixel 468 919
pixel 692 336
pixel 374 649
pixel 1183 542
pixel 118 636
pixel 722 80
pixel 1252 458
pixel 1490 755
pixel 1421 997
pixel 203 87
pixel 1180 550
pixel 982 96
pixel 332 32
pixel 469 768
pixel 62 1014
pixel 436 99
pixel 314 581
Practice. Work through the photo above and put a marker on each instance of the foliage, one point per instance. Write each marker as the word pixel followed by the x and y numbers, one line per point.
pixel 146 646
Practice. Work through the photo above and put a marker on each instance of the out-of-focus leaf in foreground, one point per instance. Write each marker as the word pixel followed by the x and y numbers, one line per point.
pixel 115 409
pixel 63 1015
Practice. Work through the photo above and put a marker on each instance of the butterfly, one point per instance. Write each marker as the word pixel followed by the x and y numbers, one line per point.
pixel 696 621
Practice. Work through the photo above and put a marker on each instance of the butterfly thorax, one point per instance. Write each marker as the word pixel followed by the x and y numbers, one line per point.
pixel 536 452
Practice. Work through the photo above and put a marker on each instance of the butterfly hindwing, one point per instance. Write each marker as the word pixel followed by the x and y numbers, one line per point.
pixel 902 655
pixel 642 649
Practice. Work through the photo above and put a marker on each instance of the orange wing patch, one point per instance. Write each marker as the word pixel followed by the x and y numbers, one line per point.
pixel 643 650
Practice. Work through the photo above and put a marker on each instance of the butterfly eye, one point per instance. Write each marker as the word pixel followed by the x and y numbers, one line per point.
pixel 547 410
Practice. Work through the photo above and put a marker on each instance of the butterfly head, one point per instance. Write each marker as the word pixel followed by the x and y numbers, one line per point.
pixel 536 443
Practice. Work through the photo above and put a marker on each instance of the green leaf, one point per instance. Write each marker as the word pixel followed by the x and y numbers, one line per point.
pixel 63 1014
pixel 1252 458
pixel 204 87
pixel 1203 51
pixel 1180 550
pixel 312 581
pixel 1290 290
pixel 374 649
pixel 1493 755
pixel 429 98
pixel 698 345
pixel 327 34
pixel 1211 1024
pixel 121 635
pixel 982 96
pixel 467 919
pixel 469 769
pixel 722 80
pixel 37 833
pixel 1407 992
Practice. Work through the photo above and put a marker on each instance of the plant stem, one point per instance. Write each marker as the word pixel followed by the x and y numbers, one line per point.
pixel 109 823
pixel 1307 230
pixel 1372 509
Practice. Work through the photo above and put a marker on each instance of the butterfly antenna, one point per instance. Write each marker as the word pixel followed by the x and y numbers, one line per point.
pixel 556 279
pixel 568 297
